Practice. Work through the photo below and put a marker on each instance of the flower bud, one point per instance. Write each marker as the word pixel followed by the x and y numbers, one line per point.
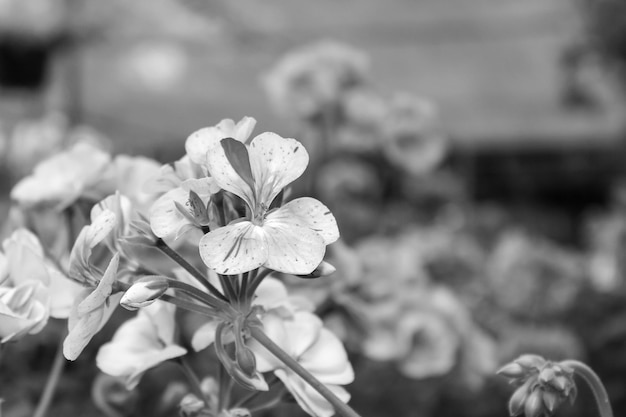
pixel 511 370
pixel 144 292
pixel 530 361
pixel 534 406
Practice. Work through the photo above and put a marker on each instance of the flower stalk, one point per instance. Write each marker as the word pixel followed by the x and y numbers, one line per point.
pixel 340 407
pixel 594 382
pixel 53 380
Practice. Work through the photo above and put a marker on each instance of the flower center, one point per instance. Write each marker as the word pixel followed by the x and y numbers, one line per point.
pixel 259 214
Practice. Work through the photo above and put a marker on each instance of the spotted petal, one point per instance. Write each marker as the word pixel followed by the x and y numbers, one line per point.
pixel 235 248
pixel 315 215
pixel 276 162
pixel 226 177
pixel 294 248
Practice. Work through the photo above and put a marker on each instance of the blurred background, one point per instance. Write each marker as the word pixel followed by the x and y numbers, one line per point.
pixel 473 150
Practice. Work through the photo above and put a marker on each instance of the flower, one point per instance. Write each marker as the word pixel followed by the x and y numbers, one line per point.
pixel 414 141
pixel 316 349
pixel 308 80
pixel 141 343
pixel 201 141
pixel 95 304
pixel 91 310
pixel 63 178
pixel 542 385
pixel 290 239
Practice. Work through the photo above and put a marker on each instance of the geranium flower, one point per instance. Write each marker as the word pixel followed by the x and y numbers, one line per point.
pixel 26 262
pixel 63 178
pixel 92 309
pixel 290 239
pixel 141 343
pixel 303 337
pixel 201 141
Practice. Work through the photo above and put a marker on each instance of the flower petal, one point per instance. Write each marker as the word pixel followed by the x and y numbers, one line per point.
pixel 315 215
pixel 327 360
pixel 235 248
pixel 165 217
pixel 293 247
pixel 226 177
pixel 200 141
pixel 276 162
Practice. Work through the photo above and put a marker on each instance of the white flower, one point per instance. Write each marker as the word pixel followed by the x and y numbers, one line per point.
pixel 291 238
pixel 141 343
pixel 63 178
pixel 303 337
pixel 201 141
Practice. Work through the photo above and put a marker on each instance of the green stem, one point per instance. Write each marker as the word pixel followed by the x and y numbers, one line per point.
pixel 187 305
pixel 173 255
pixel 199 295
pixel 340 407
pixel 594 382
pixel 53 380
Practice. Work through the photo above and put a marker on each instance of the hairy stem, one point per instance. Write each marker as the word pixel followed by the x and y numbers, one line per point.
pixel 340 407
pixel 53 380
pixel 594 382
pixel 173 255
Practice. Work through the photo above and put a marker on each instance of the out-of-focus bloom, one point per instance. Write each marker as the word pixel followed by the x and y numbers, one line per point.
pixel 303 337
pixel 26 261
pixel 63 178
pixel 413 139
pixel 542 385
pixel 291 238
pixel 31 141
pixel 309 80
pixel 192 406
pixel 157 66
pixel 129 175
pixel 31 287
pixel 364 112
pixel 141 343
pixel 607 252
pixel 533 277
pixel 426 332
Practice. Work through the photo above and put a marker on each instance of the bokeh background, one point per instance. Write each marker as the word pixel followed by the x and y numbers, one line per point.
pixel 472 152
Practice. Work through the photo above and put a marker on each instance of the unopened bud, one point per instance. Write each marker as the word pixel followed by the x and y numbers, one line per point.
pixel 531 361
pixel 144 292
pixel 534 404
pixel 322 270
pixel 511 370
pixel 246 360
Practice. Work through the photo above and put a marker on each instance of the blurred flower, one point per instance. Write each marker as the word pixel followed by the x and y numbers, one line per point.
pixel 364 113
pixel 303 337
pixel 313 78
pixel 31 287
pixel 31 141
pixel 63 178
pixel 607 251
pixel 141 343
pixel 533 277
pixel 156 66
pixel 428 332
pixel 291 238
pixel 412 138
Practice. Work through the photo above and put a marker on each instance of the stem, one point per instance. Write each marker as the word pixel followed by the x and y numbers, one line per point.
pixel 198 295
pixel 340 407
pixel 256 281
pixel 173 255
pixel 187 305
pixel 594 382
pixel 53 380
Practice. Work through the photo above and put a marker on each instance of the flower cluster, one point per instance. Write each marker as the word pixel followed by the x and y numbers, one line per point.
pixel 221 214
